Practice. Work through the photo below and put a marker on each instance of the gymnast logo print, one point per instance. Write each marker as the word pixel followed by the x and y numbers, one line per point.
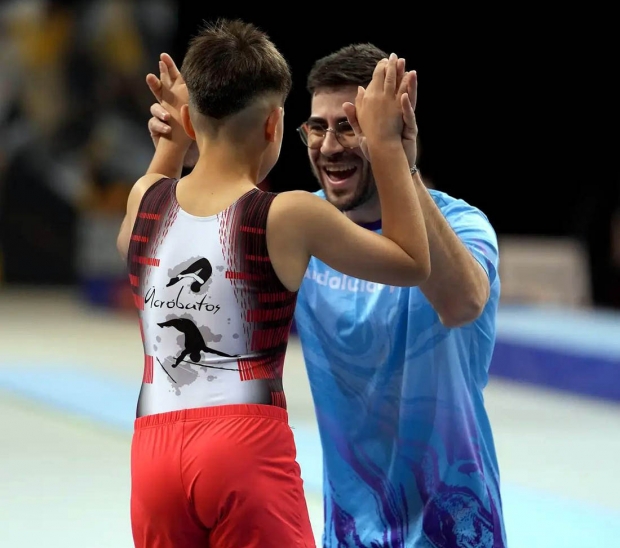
pixel 194 344
pixel 198 272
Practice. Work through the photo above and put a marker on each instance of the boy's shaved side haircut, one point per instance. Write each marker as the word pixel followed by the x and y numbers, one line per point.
pixel 230 63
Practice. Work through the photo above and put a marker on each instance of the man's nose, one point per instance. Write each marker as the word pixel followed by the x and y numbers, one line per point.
pixel 330 145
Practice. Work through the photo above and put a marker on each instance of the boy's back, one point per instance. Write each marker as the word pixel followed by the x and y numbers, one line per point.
pixel 214 316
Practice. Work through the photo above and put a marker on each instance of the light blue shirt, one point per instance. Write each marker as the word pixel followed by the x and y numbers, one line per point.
pixel 409 458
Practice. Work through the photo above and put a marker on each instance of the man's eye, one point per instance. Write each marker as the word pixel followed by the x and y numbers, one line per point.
pixel 345 128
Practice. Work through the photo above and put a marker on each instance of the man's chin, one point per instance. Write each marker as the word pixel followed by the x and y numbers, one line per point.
pixel 342 199
pixel 348 195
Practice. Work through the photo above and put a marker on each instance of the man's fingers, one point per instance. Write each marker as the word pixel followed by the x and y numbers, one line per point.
pixel 378 74
pixel 351 114
pixel 157 127
pixel 170 65
pixel 400 73
pixel 412 87
pixel 408 112
pixel 360 96
pixel 164 75
pixel 389 84
pixel 403 86
pixel 154 84
pixel 159 112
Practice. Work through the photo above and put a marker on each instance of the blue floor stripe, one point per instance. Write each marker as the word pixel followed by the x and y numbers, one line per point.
pixel 576 331
pixel 570 350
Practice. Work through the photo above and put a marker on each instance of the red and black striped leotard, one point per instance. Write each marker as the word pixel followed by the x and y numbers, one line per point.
pixel 214 317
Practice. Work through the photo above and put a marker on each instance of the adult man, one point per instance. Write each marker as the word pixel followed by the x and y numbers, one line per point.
pixel 397 374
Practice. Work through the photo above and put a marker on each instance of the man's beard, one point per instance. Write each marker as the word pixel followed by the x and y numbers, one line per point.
pixel 364 192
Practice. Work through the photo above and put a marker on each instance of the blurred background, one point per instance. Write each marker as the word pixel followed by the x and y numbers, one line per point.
pixel 74 108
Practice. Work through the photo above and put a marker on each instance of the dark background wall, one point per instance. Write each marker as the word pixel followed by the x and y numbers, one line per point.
pixel 503 102
pixel 511 113
pixel 472 104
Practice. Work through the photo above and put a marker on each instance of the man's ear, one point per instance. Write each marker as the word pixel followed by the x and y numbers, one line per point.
pixel 187 123
pixel 272 124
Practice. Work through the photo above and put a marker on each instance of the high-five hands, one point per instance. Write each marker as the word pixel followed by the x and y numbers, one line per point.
pixel 391 78
pixel 161 122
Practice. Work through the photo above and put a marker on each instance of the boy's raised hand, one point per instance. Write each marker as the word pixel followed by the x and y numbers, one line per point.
pixel 159 124
pixel 407 91
pixel 378 107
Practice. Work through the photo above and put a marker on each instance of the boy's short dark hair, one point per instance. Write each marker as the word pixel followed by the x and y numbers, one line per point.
pixel 351 65
pixel 228 64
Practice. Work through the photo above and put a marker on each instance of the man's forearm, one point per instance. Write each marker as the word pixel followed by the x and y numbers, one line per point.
pixel 458 286
pixel 168 158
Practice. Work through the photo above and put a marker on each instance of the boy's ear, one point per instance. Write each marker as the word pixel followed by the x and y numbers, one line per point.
pixel 187 123
pixel 272 124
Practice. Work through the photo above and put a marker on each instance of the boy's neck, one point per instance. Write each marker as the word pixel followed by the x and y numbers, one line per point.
pixel 225 165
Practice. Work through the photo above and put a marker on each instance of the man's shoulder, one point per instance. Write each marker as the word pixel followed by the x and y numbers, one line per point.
pixel 455 208
pixel 445 201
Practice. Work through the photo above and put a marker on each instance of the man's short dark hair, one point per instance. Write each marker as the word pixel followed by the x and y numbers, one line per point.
pixel 351 65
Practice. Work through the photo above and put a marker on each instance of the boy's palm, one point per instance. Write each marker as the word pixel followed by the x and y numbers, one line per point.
pixel 406 84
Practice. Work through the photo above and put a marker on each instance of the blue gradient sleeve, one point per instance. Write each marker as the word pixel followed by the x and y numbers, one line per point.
pixel 475 231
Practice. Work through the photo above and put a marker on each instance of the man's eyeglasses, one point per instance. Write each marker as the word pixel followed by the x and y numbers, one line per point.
pixel 313 134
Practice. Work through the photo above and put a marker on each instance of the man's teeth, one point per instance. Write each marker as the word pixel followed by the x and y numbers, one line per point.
pixel 339 169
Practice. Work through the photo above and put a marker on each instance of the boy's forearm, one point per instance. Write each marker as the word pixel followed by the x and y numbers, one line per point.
pixel 400 207
pixel 168 158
